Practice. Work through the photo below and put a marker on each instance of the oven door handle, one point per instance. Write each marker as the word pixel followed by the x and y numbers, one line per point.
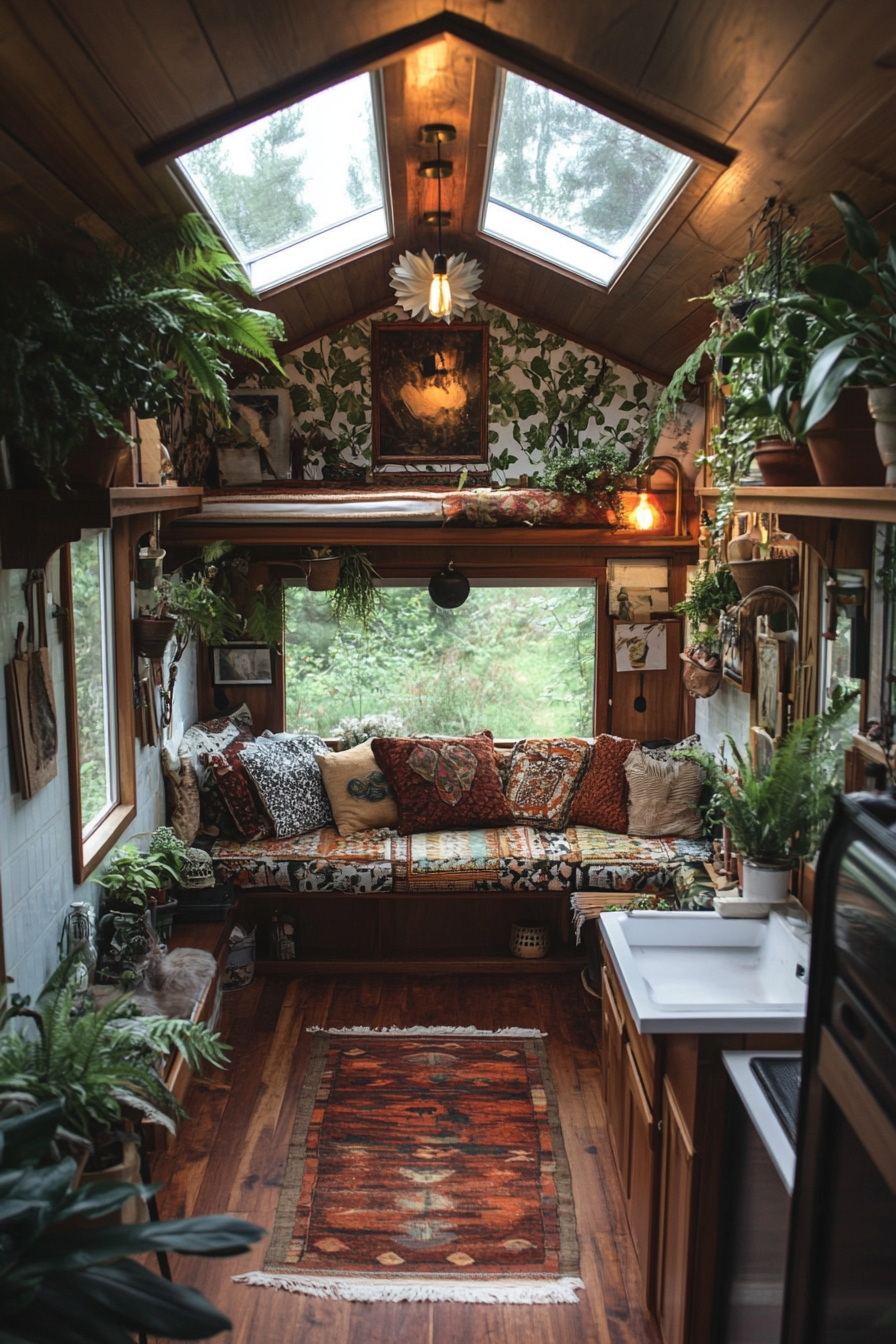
pixel 873 1127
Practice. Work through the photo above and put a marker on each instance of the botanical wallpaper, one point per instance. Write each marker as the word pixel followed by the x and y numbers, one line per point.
pixel 544 391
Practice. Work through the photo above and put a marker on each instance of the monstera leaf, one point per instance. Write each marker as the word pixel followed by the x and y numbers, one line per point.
pixel 451 768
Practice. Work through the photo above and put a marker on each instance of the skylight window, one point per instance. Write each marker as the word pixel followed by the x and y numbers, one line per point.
pixel 572 186
pixel 301 188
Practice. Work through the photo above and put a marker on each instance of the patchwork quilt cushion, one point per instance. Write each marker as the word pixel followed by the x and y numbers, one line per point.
pixel 359 792
pixel 319 860
pixel 233 783
pixel 602 796
pixel 629 863
pixel 506 858
pixel 289 783
pixel 442 784
pixel 662 796
pixel 544 775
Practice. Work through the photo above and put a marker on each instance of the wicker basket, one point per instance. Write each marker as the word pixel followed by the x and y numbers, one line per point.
pixel 529 941
pixel 322 574
pixel 700 682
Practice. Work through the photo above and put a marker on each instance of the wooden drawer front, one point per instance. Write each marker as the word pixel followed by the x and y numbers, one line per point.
pixel 675 1222
pixel 641 1172
pixel 613 1044
pixel 643 1047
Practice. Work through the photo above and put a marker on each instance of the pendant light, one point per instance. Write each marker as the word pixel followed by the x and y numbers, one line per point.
pixel 439 289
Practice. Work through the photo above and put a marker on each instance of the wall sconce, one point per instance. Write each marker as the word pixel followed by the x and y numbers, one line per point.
pixel 449 588
pixel 642 508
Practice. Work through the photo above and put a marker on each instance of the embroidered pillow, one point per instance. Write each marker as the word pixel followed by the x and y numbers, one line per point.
pixel 236 791
pixel 602 796
pixel 443 784
pixel 544 774
pixel 289 783
pixel 358 791
pixel 662 795
pixel 212 735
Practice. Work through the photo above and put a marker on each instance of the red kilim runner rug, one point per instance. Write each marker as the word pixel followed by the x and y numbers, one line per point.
pixel 426 1165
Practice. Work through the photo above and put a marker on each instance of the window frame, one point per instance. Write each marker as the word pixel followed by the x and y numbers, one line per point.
pixel 89 850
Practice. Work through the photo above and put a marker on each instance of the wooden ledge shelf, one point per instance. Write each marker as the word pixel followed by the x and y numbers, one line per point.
pixel 33 524
pixel 867 504
pixel 555 963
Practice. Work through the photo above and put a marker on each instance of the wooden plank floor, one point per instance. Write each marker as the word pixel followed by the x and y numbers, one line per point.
pixel 230 1157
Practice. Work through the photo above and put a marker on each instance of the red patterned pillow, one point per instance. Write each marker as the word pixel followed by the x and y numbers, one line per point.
pixel 443 783
pixel 236 790
pixel 544 774
pixel 602 797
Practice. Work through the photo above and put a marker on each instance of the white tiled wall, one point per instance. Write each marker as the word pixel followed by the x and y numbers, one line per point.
pixel 35 836
pixel 728 711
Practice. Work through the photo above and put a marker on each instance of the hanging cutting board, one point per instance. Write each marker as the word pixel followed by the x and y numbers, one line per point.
pixel 32 704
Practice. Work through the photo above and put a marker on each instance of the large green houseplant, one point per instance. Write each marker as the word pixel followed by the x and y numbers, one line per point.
pixel 776 812
pixel 65 1284
pixel 90 327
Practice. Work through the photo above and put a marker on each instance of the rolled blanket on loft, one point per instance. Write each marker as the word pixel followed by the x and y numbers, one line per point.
pixel 470 508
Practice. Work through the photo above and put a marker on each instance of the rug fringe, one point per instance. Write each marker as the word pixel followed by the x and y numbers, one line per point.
pixel 499 1292
pixel 427 1031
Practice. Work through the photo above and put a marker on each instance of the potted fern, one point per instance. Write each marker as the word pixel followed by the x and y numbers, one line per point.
pixel 776 812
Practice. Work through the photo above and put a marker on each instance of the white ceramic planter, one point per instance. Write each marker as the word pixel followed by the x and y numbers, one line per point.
pixel 882 405
pixel 765 881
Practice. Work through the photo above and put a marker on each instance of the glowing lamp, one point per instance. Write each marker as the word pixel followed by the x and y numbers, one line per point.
pixel 440 290
pixel 646 514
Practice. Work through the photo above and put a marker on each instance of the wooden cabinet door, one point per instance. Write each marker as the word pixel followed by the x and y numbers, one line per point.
pixel 675 1221
pixel 639 1201
pixel 612 1042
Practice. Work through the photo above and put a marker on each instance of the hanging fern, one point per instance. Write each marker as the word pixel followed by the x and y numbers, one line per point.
pixel 355 598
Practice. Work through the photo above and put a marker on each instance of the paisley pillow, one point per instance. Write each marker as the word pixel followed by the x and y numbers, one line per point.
pixel 602 796
pixel 358 791
pixel 544 775
pixel 443 783
pixel 233 785
pixel 289 783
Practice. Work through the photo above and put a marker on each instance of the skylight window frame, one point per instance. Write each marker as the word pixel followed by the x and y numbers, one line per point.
pixel 650 227
pixel 191 188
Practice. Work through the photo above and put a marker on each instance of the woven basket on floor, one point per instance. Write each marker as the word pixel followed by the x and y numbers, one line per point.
pixel 529 940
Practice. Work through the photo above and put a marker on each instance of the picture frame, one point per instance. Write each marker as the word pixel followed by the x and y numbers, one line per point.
pixel 637 589
pixel 429 393
pixel 640 647
pixel 259 447
pixel 242 664
pixel 768 683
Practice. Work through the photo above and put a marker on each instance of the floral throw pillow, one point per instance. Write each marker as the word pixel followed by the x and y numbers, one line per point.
pixel 289 783
pixel 233 784
pixel 544 775
pixel 358 790
pixel 443 783
pixel 602 796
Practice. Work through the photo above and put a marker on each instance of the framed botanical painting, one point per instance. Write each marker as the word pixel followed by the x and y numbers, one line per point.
pixel 639 647
pixel 429 392
pixel 243 665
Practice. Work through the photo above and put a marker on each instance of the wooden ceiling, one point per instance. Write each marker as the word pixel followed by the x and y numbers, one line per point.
pixel 797 99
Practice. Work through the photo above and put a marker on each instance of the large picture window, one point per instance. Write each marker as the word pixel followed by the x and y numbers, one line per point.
pixel 99 714
pixel 518 660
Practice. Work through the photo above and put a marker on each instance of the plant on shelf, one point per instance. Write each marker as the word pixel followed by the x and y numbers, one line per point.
pixel 355 597
pixel 852 310
pixel 712 592
pixel 599 470
pixel 165 845
pixel 89 327
pixel 776 813
pixel 70 1283
pixel 96 1061
pixel 133 877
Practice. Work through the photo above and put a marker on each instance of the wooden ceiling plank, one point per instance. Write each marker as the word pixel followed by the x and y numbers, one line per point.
pixel 394 79
pixel 717 60
pixel 177 78
pixel 482 108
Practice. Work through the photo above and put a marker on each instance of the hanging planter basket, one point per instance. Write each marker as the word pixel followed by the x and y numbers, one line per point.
pixel 152 635
pixel 752 574
pixel 700 682
pixel 323 574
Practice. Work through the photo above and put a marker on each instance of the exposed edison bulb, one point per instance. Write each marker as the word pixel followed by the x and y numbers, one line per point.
pixel 644 515
pixel 439 290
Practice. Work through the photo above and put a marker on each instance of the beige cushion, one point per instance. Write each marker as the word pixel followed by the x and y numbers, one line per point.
pixel 358 790
pixel 661 796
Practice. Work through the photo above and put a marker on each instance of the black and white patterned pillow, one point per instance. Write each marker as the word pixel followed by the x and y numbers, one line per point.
pixel 289 782
pixel 665 753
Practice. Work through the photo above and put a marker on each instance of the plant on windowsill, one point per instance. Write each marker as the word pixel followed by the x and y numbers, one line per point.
pixel 88 327
pixel 776 813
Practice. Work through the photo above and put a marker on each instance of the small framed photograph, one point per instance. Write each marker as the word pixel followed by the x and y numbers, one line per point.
pixel 256 448
pixel 243 665
pixel 429 392
pixel 640 648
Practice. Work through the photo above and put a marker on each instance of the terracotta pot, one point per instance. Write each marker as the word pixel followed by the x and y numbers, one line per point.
pixel 752 574
pixel 323 574
pixel 152 635
pixel 783 463
pixel 882 405
pixel 93 462
pixel 843 445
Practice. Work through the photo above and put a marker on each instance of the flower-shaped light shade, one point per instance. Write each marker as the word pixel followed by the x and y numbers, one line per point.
pixel 412 279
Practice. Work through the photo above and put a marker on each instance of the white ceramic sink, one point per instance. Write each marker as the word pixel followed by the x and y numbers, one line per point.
pixel 696 972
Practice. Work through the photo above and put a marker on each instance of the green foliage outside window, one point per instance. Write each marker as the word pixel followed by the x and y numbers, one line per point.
pixel 519 661
pixel 92 721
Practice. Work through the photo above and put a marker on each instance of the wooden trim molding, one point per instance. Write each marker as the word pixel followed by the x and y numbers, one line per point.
pixel 88 852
